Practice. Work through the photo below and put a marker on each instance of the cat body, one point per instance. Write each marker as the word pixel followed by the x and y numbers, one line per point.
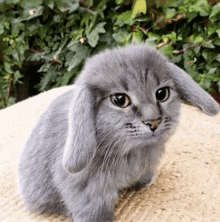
pixel 106 134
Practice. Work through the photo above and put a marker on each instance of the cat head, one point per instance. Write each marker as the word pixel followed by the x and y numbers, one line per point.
pixel 129 97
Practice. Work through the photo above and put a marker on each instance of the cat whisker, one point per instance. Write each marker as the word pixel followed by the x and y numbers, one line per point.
pixel 104 138
pixel 94 132
pixel 168 124
pixel 114 160
pixel 103 150
pixel 108 152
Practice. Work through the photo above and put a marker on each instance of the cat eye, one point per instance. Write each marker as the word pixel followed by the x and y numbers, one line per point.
pixel 163 94
pixel 120 100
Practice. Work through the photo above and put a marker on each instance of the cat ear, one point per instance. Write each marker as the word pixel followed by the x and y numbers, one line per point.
pixel 191 92
pixel 81 141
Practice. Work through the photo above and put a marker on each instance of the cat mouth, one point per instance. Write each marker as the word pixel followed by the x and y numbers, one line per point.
pixel 144 136
pixel 144 133
pixel 154 135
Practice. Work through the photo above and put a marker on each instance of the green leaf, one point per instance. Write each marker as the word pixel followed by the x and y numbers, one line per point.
pixel 200 6
pixel 2 21
pixel 152 41
pixel 22 48
pixel 17 77
pixel 204 13
pixel 176 59
pixel 191 15
pixel 29 14
pixel 137 36
pixel 217 42
pixel 205 82
pixel 140 6
pixel 28 4
pixel 15 55
pixel 211 30
pixel 170 13
pixel 8 67
pixel 66 78
pixel 125 16
pixel 209 56
pixel 218 32
pixel 67 5
pixel 44 67
pixel 167 50
pixel 42 32
pixel 17 27
pixel 106 37
pixel 198 39
pixel 50 3
pixel 100 27
pixel 10 101
pixel 46 80
pixel 197 50
pixel 88 3
pixel 205 55
pixel 34 57
pixel 93 36
pixel 12 1
pixel 34 28
pixel 208 44
pixel 118 2
pixel 215 14
pixel 154 35
pixel 172 36
pixel 218 58
pixel 81 53
pixel 121 36
pixel 182 9
pixel 1 29
pixel 212 71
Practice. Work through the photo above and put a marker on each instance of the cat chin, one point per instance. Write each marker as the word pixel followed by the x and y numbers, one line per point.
pixel 142 142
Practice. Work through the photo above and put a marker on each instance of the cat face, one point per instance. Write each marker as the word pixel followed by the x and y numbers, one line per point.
pixel 143 114
pixel 137 103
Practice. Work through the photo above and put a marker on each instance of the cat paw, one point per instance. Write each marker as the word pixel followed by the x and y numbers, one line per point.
pixel 151 181
pixel 144 183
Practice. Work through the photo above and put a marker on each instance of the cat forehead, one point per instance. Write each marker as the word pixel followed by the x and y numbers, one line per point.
pixel 127 67
pixel 130 57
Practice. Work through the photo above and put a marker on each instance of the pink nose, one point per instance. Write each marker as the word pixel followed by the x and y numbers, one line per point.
pixel 153 124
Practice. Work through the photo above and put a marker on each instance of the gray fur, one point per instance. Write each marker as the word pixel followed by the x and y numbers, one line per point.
pixel 84 150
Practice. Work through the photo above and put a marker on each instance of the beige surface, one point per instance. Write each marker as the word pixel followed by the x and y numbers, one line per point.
pixel 187 189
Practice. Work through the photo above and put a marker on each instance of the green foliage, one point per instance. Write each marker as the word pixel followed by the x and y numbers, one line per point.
pixel 62 34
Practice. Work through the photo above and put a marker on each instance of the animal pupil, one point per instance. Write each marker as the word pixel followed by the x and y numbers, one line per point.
pixel 120 99
pixel 162 94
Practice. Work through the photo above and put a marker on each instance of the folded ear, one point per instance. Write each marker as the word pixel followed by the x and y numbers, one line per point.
pixel 191 92
pixel 81 141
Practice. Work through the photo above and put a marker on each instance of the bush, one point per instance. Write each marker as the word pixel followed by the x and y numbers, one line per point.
pixel 58 35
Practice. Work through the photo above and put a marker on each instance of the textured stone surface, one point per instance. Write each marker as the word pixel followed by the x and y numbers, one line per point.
pixel 187 188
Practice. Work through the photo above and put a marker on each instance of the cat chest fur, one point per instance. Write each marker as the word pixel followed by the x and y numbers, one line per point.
pixel 122 171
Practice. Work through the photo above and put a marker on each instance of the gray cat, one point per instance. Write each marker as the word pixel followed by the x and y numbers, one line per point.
pixel 106 134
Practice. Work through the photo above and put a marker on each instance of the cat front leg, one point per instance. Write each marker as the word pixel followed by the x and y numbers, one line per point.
pixel 89 199
pixel 150 173
pixel 97 209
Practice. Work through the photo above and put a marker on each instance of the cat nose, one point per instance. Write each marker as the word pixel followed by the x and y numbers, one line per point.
pixel 153 124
